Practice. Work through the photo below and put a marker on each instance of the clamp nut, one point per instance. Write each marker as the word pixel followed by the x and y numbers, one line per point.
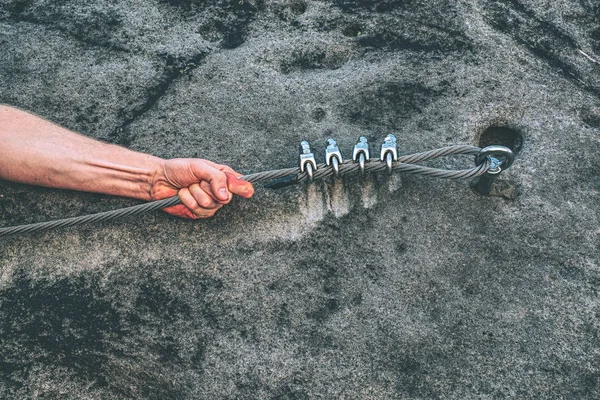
pixel 333 156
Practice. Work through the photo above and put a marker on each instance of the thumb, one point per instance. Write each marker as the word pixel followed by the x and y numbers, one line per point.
pixel 239 186
pixel 217 179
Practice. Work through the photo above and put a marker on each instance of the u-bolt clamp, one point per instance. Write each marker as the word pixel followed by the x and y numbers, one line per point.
pixel 361 153
pixel 389 151
pixel 500 159
pixel 307 160
pixel 333 156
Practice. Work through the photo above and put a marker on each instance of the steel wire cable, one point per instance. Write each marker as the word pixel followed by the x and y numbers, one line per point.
pixel 404 164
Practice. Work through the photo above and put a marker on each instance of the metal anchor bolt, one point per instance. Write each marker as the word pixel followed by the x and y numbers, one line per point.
pixel 389 151
pixel 308 163
pixel 333 156
pixel 500 159
pixel 361 153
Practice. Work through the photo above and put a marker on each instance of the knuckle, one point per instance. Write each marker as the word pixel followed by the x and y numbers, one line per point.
pixel 220 175
pixel 206 202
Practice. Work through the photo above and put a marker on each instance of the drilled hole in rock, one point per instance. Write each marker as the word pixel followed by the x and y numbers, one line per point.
pixel 502 136
pixel 298 7
pixel 318 114
pixel 351 30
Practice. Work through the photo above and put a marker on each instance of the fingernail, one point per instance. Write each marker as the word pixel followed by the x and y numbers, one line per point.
pixel 223 194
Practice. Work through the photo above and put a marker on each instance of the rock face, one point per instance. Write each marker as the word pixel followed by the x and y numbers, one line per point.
pixel 384 288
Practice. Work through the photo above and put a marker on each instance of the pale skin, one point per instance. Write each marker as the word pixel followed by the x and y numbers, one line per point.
pixel 38 152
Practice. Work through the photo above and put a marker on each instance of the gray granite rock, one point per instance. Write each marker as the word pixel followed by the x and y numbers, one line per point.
pixel 385 288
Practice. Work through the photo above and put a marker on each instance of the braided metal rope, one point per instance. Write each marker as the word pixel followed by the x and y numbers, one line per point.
pixel 404 164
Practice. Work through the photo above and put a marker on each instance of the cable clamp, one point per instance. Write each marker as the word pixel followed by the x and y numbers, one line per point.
pixel 361 153
pixel 333 156
pixel 308 163
pixel 389 151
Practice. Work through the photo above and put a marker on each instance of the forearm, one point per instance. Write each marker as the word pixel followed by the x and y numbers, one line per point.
pixel 38 152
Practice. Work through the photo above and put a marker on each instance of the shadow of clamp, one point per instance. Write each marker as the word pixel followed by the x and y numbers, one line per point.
pixel 500 159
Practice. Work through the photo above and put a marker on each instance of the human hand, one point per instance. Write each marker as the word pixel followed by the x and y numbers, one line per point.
pixel 203 186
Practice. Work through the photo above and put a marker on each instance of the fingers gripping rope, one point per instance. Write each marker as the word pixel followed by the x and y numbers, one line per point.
pixel 406 164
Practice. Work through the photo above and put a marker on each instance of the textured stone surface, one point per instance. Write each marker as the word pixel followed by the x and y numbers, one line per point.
pixel 403 288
